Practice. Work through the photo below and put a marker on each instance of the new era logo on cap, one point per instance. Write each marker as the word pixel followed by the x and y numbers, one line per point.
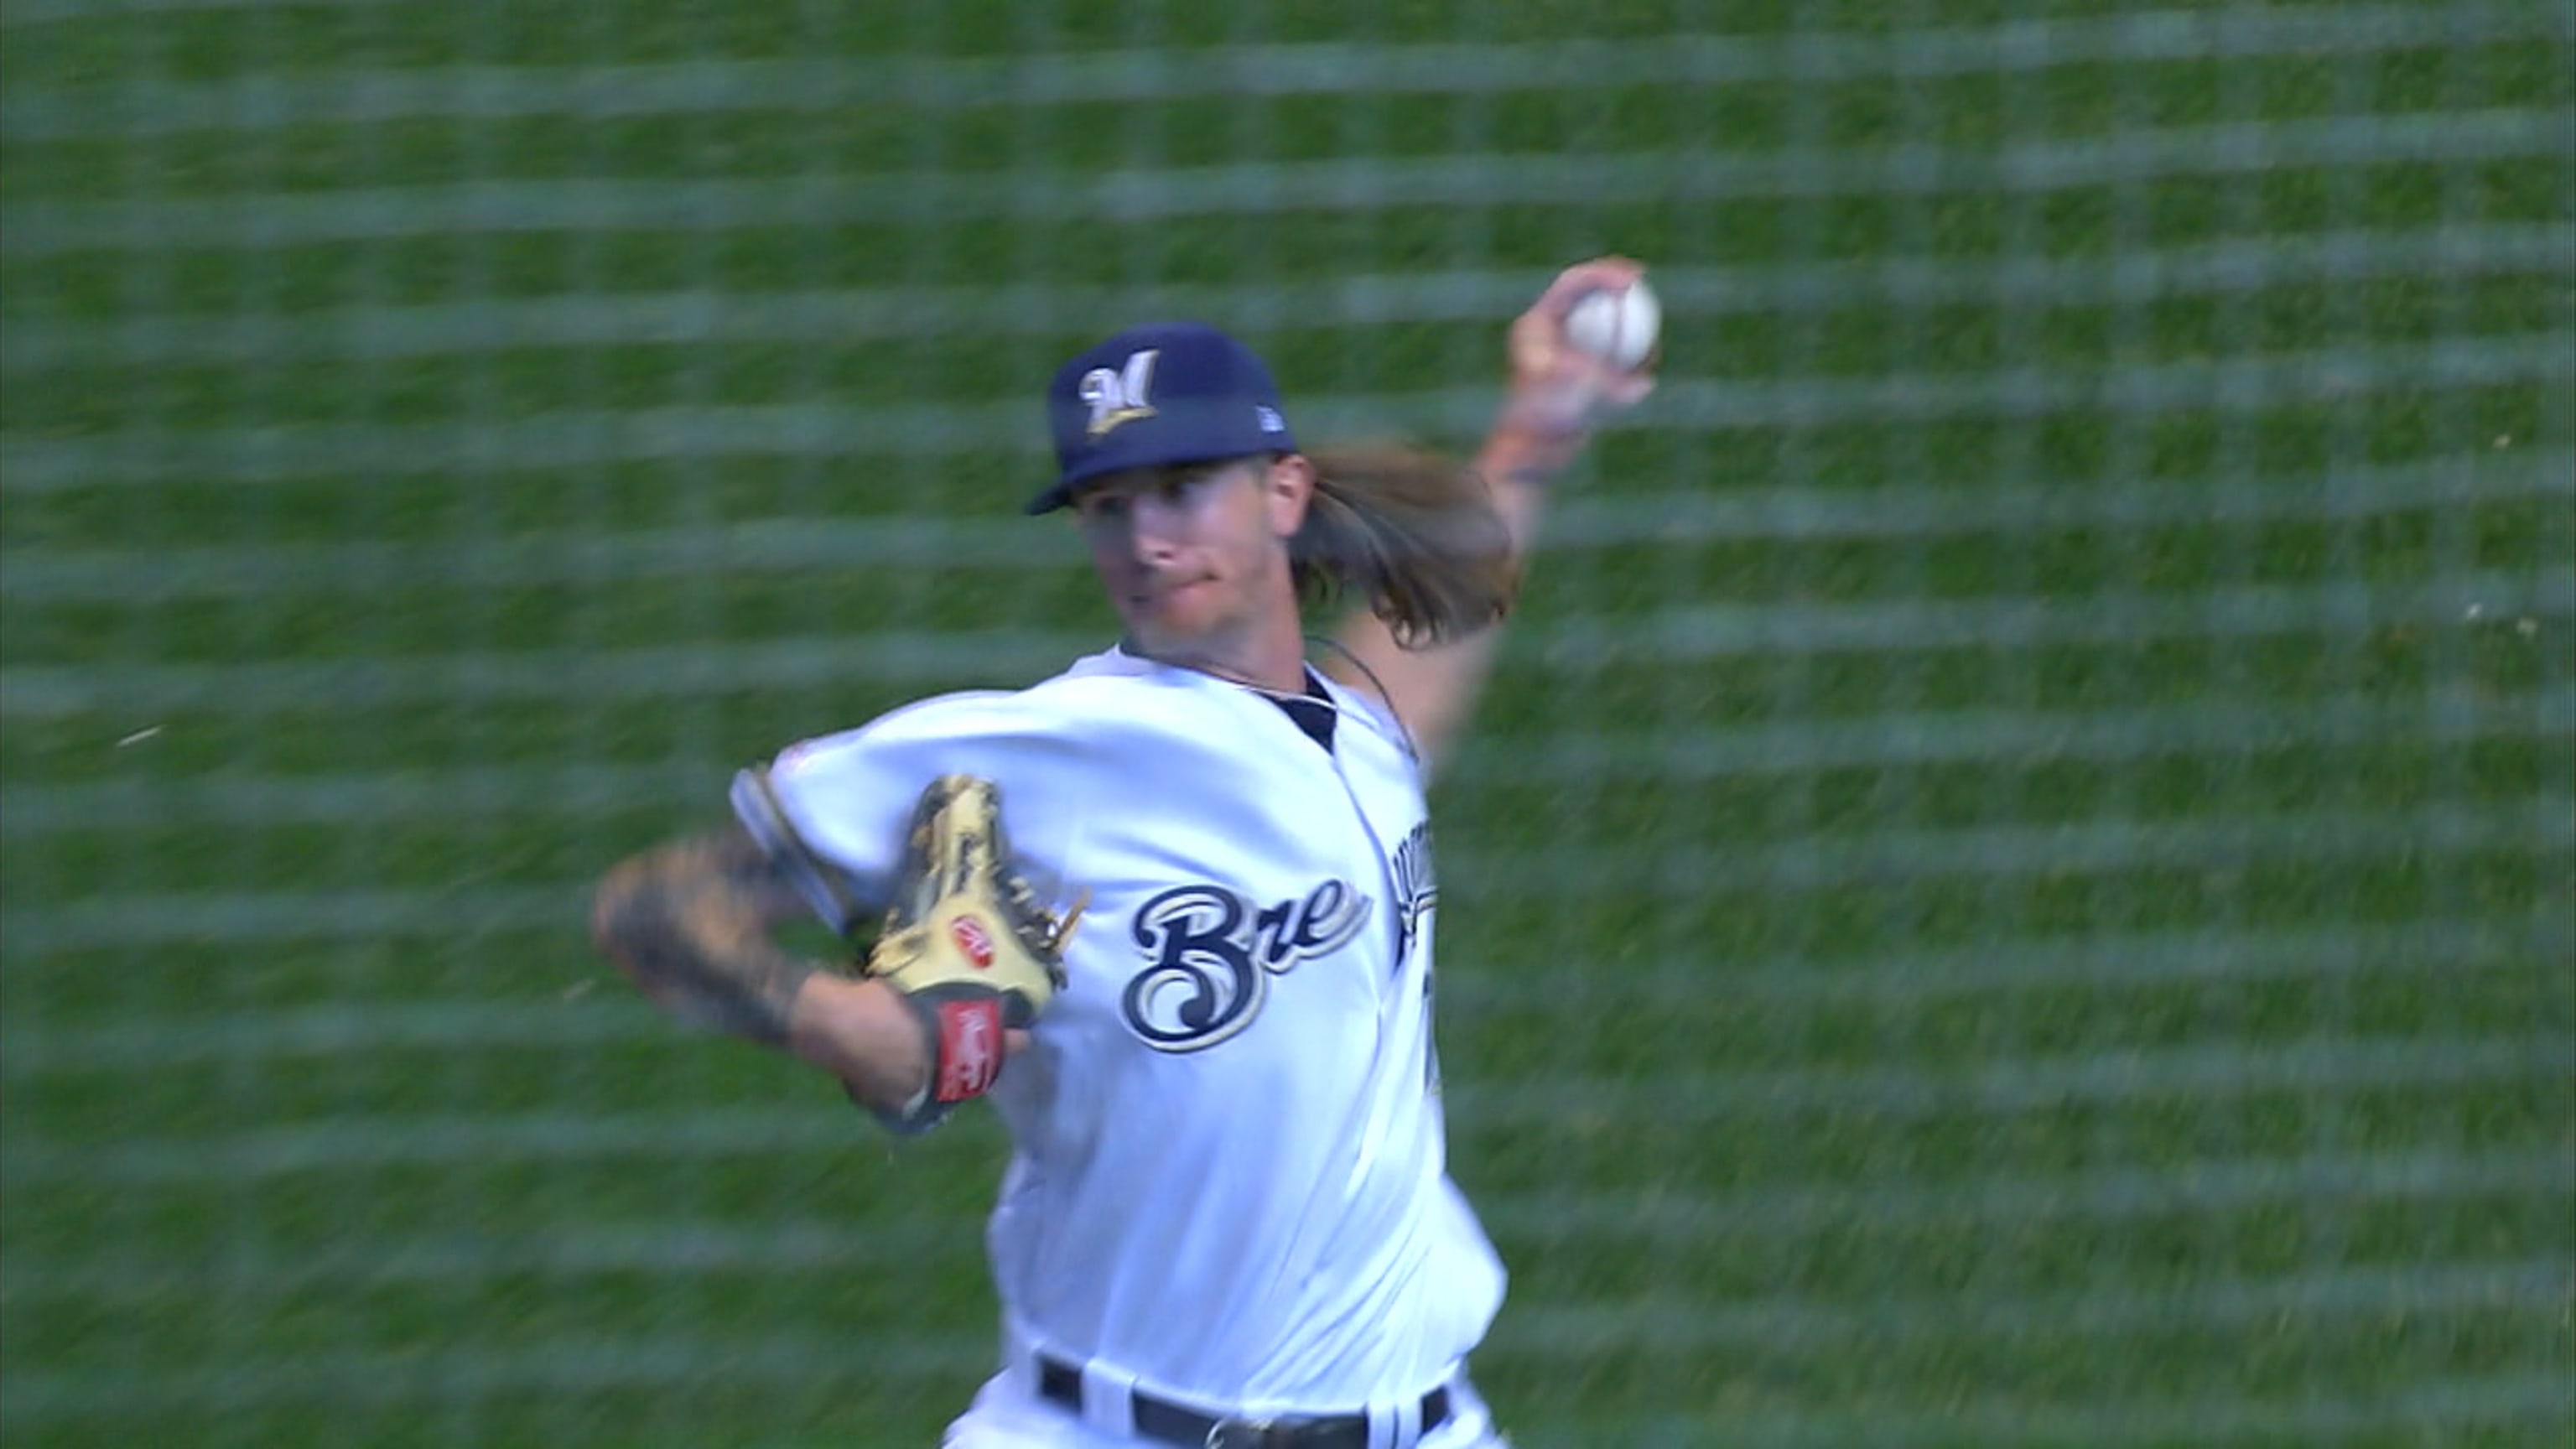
pixel 1165 393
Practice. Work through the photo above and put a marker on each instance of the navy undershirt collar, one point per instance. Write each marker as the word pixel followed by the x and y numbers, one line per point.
pixel 1312 711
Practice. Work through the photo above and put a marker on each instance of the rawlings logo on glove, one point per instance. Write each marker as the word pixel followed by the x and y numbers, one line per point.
pixel 970 1050
pixel 966 945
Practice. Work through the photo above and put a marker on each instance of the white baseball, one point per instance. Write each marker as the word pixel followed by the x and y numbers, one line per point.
pixel 1616 325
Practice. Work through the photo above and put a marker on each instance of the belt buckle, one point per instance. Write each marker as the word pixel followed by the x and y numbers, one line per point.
pixel 1239 1433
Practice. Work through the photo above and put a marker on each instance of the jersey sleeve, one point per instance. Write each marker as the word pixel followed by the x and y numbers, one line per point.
pixel 833 809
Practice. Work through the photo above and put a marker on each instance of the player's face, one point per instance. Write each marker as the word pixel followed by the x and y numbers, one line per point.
pixel 1195 557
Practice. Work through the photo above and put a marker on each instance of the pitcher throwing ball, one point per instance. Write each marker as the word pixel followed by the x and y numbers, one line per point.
pixel 1227 1218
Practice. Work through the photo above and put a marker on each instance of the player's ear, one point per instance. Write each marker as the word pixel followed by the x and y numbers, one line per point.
pixel 1287 487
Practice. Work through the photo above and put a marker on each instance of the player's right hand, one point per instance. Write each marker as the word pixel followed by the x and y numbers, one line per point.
pixel 1559 390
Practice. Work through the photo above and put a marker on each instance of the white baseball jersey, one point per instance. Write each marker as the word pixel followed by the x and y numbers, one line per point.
pixel 1228 1173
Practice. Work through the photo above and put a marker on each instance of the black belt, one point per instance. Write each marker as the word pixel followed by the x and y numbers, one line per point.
pixel 1169 1423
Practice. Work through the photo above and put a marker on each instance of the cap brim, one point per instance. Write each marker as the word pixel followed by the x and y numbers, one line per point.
pixel 1059 494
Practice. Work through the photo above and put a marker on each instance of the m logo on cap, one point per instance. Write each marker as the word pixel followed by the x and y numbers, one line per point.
pixel 1122 396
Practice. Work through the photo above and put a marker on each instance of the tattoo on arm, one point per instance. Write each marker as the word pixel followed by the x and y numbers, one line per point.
pixel 692 922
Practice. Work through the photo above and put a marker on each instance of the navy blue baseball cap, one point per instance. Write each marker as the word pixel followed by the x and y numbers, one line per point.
pixel 1164 393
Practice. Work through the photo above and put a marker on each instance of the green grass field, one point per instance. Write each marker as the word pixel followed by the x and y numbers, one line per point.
pixel 2016 885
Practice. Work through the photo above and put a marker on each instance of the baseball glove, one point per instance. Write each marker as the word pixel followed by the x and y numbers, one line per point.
pixel 966 945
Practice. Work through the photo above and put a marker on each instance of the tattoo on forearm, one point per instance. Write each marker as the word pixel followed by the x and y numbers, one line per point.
pixel 691 922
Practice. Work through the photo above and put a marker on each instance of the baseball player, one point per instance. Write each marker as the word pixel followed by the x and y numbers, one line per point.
pixel 1195 973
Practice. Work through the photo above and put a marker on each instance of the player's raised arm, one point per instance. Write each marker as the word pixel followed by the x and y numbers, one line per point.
pixel 1557 392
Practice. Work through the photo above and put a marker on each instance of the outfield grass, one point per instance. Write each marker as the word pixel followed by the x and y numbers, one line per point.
pixel 2013 887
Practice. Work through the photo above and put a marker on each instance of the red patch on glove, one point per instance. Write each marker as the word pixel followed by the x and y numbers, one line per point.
pixel 970 1048
pixel 974 940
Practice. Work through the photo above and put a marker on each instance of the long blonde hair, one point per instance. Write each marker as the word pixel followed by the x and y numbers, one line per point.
pixel 1412 535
